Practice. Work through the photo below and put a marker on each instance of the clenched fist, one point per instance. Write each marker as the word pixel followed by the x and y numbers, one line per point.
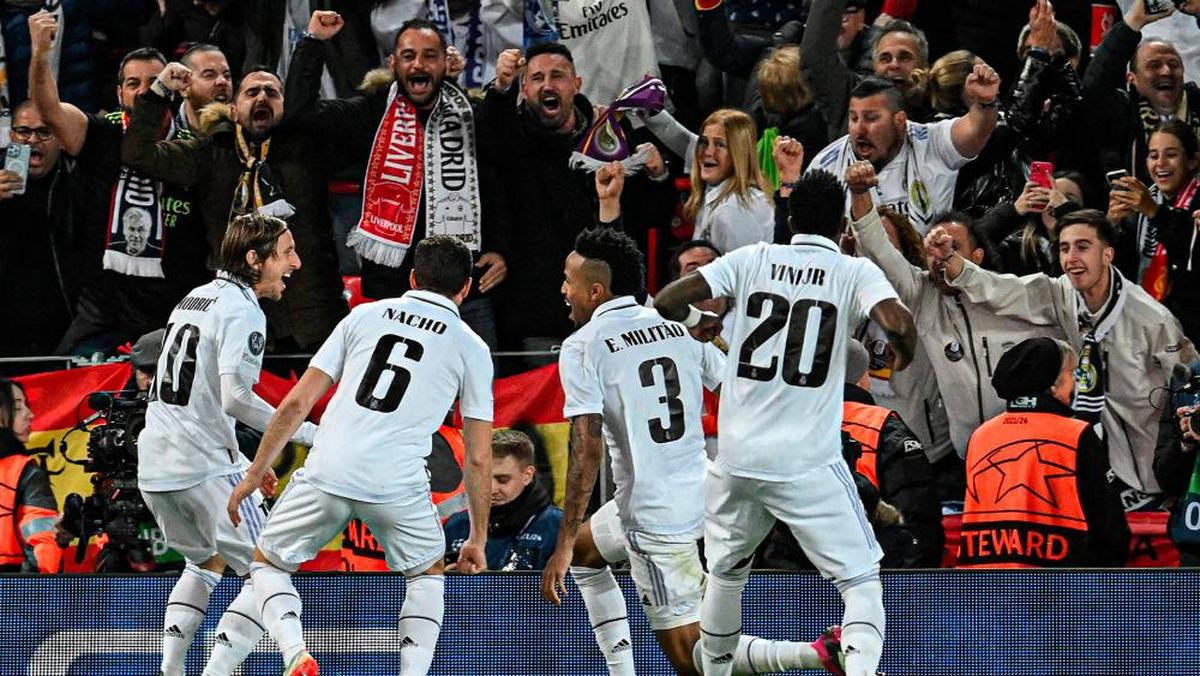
pixel 860 177
pixel 175 77
pixel 509 65
pixel 323 24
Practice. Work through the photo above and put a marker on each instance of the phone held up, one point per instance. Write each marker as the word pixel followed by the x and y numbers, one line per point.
pixel 16 160
pixel 1113 176
pixel 1042 173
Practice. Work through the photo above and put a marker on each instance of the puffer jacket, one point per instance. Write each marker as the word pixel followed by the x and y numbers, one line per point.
pixel 964 339
pixel 1139 353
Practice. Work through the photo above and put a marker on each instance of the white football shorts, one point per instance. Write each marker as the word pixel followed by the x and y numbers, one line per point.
pixel 195 524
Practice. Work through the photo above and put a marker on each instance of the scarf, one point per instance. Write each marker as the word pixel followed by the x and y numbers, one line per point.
pixel 606 140
pixel 511 519
pixel 256 189
pixel 408 160
pixel 136 234
pixel 541 19
pixel 1155 278
pixel 6 102
pixel 1091 379
pixel 472 46
pixel 1151 118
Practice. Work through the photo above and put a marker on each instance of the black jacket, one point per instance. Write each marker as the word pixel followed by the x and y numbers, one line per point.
pixel 1002 229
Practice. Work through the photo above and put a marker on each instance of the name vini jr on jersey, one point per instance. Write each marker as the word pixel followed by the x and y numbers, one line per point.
pixel 651 334
pixel 791 275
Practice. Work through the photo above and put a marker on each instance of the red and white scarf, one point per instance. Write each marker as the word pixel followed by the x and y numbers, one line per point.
pixel 1154 276
pixel 409 160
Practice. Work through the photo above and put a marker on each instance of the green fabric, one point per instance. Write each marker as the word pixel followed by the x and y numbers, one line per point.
pixel 766 161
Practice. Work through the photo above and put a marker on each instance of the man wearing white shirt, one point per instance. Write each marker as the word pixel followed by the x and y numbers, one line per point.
pixel 369 457
pixel 781 414
pixel 188 459
pixel 917 164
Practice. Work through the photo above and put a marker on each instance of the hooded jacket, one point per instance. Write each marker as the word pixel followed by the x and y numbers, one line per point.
pixel 1139 353
pixel 964 339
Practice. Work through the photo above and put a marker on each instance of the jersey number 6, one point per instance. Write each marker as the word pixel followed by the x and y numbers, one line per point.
pixel 806 350
pixel 380 364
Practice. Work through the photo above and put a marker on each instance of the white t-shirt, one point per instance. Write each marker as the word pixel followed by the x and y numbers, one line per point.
pixel 401 363
pixel 646 376
pixel 217 329
pixel 918 181
pixel 732 223
pixel 781 398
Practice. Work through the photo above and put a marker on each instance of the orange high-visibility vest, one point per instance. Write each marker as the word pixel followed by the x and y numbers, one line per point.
pixel 1022 506
pixel 864 422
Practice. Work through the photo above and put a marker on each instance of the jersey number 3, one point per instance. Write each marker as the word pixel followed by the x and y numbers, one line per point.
pixel 379 365
pixel 806 350
pixel 673 430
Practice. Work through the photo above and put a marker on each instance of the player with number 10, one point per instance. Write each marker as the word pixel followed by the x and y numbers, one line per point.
pixel 402 363
pixel 188 459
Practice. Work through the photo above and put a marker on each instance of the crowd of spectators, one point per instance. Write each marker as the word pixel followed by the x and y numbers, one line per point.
pixel 219 108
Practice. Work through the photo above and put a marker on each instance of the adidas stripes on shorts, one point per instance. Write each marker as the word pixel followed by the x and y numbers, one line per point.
pixel 195 524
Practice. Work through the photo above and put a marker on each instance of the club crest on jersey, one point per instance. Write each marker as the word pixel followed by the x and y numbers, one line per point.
pixel 919 195
pixel 256 343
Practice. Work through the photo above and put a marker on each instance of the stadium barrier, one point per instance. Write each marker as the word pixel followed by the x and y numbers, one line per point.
pixel 939 622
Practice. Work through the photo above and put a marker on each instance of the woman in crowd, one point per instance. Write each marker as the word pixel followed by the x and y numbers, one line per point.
pixel 1021 236
pixel 785 107
pixel 28 511
pixel 1161 216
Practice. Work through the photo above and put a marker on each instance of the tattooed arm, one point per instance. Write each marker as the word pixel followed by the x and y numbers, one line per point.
pixel 586 448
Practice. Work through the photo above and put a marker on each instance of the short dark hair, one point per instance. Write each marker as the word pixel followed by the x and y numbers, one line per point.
pixel 870 86
pixel 961 217
pixel 139 54
pixel 198 48
pixel 902 26
pixel 249 232
pixel 513 443
pixel 1105 230
pixel 1182 131
pixel 674 269
pixel 620 253
pixel 442 264
pixel 419 25
pixel 8 403
pixel 253 68
pixel 549 48
pixel 817 205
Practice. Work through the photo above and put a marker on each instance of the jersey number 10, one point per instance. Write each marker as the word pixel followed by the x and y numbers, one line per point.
pixel 810 324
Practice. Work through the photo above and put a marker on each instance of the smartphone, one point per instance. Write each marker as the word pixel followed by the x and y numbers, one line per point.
pixel 1158 6
pixel 1042 173
pixel 1112 177
pixel 16 160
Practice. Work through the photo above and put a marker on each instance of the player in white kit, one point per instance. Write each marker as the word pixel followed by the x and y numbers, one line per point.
pixel 638 381
pixel 402 363
pixel 188 459
pixel 781 414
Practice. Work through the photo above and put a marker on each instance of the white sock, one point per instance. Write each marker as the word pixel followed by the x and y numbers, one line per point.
pixel 421 622
pixel 238 632
pixel 608 615
pixel 863 623
pixel 185 611
pixel 279 606
pixel 721 621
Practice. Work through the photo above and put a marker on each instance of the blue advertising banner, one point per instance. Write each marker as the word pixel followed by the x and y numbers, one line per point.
pixel 939 622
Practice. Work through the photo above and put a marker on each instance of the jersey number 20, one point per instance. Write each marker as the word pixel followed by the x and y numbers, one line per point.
pixel 806 350
pixel 379 365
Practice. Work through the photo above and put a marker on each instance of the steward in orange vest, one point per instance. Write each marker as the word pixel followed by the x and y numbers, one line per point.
pixel 28 511
pixel 1037 487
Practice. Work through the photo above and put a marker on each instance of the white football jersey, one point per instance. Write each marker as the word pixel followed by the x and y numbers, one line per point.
pixel 216 329
pixel 646 376
pixel 401 363
pixel 781 398
pixel 918 182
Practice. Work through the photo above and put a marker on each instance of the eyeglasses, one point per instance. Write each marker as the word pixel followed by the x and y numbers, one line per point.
pixel 27 133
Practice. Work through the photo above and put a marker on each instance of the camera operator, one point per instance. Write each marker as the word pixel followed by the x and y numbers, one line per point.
pixel 144 359
pixel 188 454
pixel 28 511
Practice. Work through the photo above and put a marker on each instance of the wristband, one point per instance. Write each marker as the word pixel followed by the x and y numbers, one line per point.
pixel 693 318
pixel 159 87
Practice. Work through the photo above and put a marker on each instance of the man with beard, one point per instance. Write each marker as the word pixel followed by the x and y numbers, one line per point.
pixel 1121 118
pixel 211 81
pixel 416 129
pixel 535 126
pixel 128 291
pixel 916 164
pixel 898 52
pixel 249 159
pixel 1128 343
pixel 39 270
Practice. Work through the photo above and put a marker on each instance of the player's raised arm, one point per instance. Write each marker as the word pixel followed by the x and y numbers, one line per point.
pixel 586 448
pixel 675 302
pixel 477 436
pixel 897 322
pixel 292 411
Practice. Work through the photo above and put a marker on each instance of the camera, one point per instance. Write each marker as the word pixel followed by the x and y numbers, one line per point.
pixel 1185 392
pixel 115 508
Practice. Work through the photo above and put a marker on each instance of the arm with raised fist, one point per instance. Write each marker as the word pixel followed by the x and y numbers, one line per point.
pixel 67 122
